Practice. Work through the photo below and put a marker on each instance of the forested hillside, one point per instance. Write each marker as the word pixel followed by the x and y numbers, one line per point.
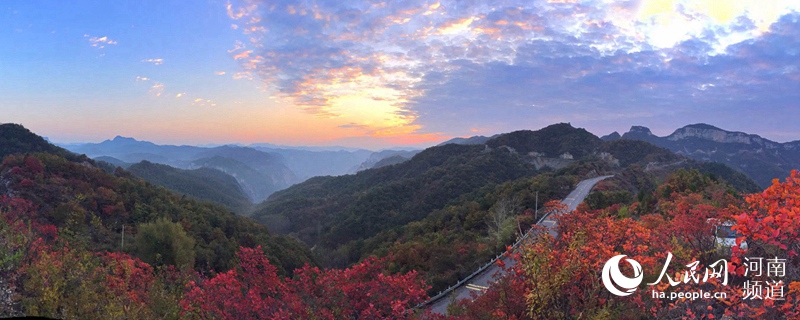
pixel 75 235
pixel 551 141
pixel 643 156
pixel 79 242
pixel 452 207
pixel 204 184
pixel 332 211
pixel 15 138
pixel 91 206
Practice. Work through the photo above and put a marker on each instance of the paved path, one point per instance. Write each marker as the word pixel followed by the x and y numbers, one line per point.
pixel 482 280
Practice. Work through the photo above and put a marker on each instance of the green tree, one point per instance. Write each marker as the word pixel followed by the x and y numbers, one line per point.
pixel 164 242
pixel 500 220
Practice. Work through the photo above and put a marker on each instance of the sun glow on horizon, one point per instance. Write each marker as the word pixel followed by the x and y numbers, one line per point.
pixel 388 73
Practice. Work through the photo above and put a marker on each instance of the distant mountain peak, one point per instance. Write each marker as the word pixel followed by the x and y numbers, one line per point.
pixel 123 139
pixel 703 126
pixel 640 133
pixel 470 140
pixel 641 130
pixel 560 126
pixel 709 132
pixel 120 141
pixel 611 137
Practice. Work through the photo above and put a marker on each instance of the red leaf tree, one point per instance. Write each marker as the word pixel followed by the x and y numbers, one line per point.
pixel 254 291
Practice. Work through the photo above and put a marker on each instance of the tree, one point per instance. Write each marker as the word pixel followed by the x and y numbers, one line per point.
pixel 253 290
pixel 164 242
pixel 500 217
pixel 59 281
pixel 560 276
pixel 771 226
pixel 363 291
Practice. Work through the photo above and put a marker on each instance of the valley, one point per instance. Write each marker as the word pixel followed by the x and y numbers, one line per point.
pixel 439 215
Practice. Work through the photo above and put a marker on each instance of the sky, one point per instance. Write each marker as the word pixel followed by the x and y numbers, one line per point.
pixel 394 73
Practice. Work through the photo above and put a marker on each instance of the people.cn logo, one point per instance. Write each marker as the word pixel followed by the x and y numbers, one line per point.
pixel 613 278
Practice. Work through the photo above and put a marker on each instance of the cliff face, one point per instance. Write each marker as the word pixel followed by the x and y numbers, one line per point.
pixel 715 134
pixel 759 158
pixel 643 134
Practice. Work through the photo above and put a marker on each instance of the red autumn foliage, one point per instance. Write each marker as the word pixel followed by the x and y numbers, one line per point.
pixel 773 215
pixel 771 227
pixel 560 277
pixel 363 291
pixel 251 291
pixel 555 277
pixel 505 299
pixel 128 276
pixel 254 291
pixel 20 214
pixel 34 165
pixel 26 183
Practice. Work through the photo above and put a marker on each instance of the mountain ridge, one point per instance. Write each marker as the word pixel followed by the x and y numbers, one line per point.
pixel 205 184
pixel 434 212
pixel 759 158
pixel 16 139
pixel 90 205
pixel 283 165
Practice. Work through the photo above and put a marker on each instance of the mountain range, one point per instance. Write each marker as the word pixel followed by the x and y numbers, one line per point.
pixel 760 159
pixel 101 211
pixel 433 211
pixel 260 169
pixel 437 211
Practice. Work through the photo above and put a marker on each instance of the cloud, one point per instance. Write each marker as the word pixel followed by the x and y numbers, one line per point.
pixel 690 80
pixel 449 66
pixel 242 55
pixel 220 73
pixel 243 75
pixel 352 125
pixel 99 42
pixel 157 89
pixel 200 102
pixel 155 61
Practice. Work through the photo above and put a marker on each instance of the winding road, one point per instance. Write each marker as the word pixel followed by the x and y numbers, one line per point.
pixel 479 282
